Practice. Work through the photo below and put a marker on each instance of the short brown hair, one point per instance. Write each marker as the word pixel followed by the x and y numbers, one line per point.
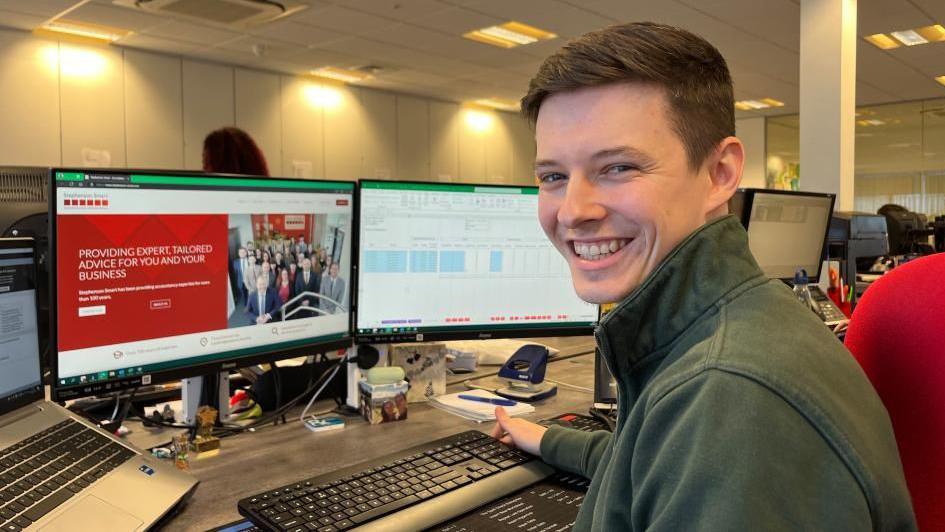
pixel 691 71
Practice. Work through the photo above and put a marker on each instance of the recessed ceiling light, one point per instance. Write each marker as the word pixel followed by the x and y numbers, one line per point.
pixel 909 37
pixel 509 35
pixel 82 31
pixel 754 105
pixel 940 79
pixel 498 103
pixel 341 74
pixel 882 41
pixel 933 33
pixel 870 122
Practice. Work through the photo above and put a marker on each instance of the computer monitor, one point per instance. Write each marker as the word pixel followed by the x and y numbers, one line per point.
pixel 460 261
pixel 787 230
pixel 20 372
pixel 605 385
pixel 24 212
pixel 151 285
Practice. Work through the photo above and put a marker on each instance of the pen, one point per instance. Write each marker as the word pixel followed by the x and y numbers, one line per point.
pixel 490 400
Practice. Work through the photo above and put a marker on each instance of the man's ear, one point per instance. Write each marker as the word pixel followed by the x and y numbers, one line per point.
pixel 725 173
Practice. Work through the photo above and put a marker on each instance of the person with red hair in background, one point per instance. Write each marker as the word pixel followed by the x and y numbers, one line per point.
pixel 230 150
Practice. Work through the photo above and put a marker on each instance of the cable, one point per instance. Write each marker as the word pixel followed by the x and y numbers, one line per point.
pixel 603 418
pixel 572 386
pixel 233 429
pixel 317 393
pixel 160 422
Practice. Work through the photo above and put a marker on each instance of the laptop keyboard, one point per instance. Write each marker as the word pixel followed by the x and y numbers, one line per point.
pixel 45 470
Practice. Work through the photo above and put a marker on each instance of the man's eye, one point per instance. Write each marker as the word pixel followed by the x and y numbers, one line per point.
pixel 551 177
pixel 619 169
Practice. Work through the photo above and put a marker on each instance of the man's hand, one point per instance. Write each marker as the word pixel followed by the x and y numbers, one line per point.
pixel 517 432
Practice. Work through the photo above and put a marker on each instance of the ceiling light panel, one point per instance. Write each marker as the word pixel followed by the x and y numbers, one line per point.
pixel 882 41
pixel 341 74
pixel 503 104
pixel 509 35
pixel 909 37
pixel 81 30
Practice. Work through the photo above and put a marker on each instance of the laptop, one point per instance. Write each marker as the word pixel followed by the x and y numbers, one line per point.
pixel 57 471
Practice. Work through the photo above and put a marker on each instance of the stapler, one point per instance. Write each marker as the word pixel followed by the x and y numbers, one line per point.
pixel 525 373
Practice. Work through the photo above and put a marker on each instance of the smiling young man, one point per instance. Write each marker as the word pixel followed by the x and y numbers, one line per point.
pixel 738 409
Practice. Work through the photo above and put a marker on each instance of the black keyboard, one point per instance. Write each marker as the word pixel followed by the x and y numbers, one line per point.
pixel 45 470
pixel 578 421
pixel 409 490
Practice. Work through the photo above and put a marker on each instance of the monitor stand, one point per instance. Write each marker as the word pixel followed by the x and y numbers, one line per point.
pixel 192 391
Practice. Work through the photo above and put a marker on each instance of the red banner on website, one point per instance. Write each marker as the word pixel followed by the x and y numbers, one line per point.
pixel 136 277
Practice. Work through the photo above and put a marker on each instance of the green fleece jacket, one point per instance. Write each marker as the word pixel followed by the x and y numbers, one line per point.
pixel 738 409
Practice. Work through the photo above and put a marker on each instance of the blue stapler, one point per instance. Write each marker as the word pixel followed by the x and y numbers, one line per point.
pixel 525 372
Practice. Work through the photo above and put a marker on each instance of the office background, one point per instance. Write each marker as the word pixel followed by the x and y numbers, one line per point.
pixel 149 99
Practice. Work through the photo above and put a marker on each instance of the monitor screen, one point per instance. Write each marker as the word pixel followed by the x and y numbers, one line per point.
pixel 161 276
pixel 787 231
pixel 20 378
pixel 605 385
pixel 439 261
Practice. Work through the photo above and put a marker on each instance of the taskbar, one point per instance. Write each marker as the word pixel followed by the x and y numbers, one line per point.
pixel 472 332
pixel 66 387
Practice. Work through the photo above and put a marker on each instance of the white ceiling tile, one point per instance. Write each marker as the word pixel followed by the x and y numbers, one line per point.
pixel 928 59
pixel 417 38
pixel 342 19
pixel 754 18
pixel 562 18
pixel 178 29
pixel 456 20
pixel 118 17
pixel 43 8
pixel 296 32
pixel 866 94
pixel 882 70
pixel 20 21
pixel 317 57
pixel 403 10
pixel 883 16
pixel 935 9
pixel 263 49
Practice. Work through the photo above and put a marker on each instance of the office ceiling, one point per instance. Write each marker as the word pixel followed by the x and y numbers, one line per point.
pixel 419 48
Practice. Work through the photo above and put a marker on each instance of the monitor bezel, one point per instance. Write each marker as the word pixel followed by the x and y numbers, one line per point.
pixel 474 332
pixel 36 394
pixel 59 393
pixel 748 204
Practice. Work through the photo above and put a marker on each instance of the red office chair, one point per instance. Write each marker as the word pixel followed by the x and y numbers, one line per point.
pixel 897 333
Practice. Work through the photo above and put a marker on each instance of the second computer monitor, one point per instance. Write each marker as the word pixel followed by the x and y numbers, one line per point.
pixel 441 261
pixel 787 230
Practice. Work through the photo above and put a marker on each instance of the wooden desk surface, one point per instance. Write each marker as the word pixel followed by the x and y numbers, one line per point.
pixel 275 455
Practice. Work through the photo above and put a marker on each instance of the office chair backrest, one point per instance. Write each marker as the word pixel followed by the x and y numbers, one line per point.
pixel 897 333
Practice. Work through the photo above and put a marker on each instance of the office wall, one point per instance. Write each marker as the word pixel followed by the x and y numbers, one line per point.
pixel 751 131
pixel 69 104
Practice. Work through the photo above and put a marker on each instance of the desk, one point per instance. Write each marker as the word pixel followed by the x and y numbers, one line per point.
pixel 276 455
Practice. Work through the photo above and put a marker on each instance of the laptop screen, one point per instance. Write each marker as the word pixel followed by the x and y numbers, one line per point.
pixel 20 377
